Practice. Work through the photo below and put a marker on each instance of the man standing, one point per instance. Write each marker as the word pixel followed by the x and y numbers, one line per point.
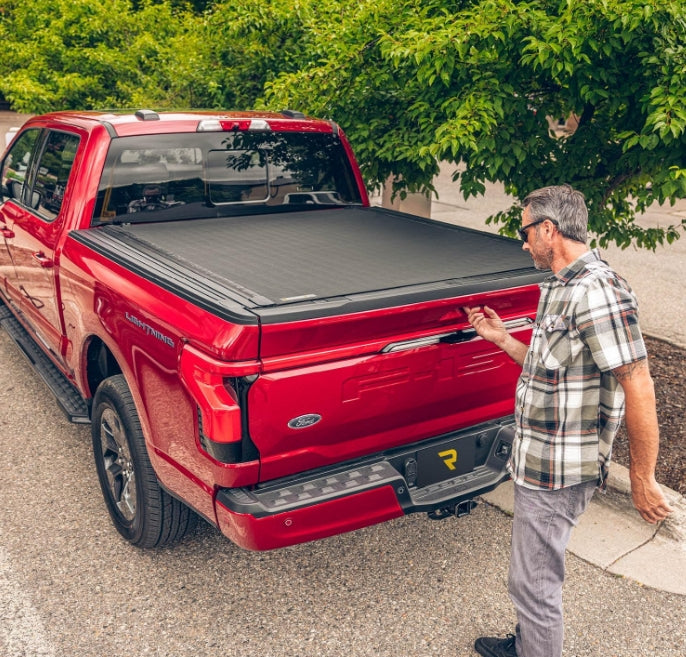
pixel 585 365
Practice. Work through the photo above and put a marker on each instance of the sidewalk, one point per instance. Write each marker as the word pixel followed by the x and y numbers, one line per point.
pixel 612 536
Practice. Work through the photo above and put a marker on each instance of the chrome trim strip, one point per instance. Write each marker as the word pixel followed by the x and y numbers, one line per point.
pixel 416 343
pixel 427 341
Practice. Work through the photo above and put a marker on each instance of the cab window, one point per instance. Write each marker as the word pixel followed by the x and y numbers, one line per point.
pixel 171 177
pixel 36 170
pixel 15 166
pixel 52 174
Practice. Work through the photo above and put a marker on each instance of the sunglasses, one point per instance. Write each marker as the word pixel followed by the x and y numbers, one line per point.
pixel 524 230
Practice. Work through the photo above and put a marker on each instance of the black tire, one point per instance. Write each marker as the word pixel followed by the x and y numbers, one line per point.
pixel 143 513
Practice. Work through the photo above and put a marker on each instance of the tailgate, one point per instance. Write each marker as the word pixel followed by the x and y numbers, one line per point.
pixel 335 395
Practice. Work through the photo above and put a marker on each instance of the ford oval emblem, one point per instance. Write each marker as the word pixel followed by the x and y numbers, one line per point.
pixel 304 421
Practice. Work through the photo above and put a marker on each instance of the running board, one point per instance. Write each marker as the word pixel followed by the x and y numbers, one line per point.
pixel 67 396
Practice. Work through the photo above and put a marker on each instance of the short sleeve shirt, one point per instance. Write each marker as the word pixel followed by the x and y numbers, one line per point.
pixel 569 404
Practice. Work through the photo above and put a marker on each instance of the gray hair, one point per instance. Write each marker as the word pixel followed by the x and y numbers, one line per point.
pixel 565 206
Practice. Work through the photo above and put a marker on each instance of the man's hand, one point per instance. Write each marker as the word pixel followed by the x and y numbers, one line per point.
pixel 486 323
pixel 489 326
pixel 648 499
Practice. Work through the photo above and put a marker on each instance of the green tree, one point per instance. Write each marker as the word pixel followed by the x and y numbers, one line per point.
pixel 473 82
pixel 413 83
pixel 78 54
pixel 253 41
pixel 61 54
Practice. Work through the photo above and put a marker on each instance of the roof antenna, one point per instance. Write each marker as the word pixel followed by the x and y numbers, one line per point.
pixel 293 114
pixel 147 115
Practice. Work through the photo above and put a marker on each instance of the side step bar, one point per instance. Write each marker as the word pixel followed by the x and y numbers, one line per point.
pixel 67 396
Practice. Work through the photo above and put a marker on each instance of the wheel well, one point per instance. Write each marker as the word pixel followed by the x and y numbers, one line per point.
pixel 101 364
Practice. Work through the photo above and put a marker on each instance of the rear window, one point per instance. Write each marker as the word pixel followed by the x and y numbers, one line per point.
pixel 187 176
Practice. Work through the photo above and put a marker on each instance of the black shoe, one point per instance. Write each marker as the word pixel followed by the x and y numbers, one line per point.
pixel 494 647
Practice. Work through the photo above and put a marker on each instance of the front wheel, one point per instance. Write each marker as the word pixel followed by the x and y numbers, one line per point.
pixel 143 513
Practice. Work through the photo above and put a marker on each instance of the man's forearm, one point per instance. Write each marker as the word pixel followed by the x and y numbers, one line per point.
pixel 644 438
pixel 515 349
pixel 640 416
pixel 642 430
pixel 490 327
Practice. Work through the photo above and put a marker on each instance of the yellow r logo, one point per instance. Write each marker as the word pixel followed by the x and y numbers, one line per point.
pixel 449 456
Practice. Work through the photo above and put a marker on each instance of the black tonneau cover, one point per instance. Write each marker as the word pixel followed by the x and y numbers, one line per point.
pixel 301 265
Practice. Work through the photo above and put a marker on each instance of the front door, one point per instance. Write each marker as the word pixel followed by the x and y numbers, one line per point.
pixel 34 223
pixel 15 169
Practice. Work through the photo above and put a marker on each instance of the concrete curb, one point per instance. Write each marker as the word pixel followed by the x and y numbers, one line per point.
pixel 672 343
pixel 612 536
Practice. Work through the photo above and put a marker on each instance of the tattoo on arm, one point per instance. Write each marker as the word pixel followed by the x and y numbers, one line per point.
pixel 627 371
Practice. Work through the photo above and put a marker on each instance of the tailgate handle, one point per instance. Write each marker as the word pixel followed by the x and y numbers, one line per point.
pixel 416 343
pixel 455 337
pixel 459 336
pixel 467 334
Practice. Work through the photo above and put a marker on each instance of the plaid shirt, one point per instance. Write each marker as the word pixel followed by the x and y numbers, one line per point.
pixel 569 404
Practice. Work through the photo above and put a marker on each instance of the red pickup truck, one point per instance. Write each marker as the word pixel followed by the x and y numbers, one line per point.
pixel 250 341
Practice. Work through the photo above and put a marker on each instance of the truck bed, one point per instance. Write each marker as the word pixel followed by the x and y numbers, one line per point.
pixel 302 265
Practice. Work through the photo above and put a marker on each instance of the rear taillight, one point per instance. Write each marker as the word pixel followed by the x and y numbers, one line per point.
pixel 220 391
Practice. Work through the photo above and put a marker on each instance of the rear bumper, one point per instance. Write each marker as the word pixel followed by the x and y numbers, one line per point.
pixel 365 492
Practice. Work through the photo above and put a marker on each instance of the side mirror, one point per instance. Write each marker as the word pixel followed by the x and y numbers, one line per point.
pixel 11 189
pixel 14 189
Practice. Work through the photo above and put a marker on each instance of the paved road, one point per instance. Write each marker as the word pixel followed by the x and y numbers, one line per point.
pixel 69 586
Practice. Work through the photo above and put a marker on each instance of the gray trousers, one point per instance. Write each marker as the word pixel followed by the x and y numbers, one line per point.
pixel 543 522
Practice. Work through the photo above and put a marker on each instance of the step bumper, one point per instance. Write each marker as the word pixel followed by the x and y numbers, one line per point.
pixel 389 485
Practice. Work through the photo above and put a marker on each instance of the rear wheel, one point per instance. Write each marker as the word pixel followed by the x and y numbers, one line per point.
pixel 143 513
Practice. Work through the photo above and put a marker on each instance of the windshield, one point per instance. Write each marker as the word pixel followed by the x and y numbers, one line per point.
pixel 196 175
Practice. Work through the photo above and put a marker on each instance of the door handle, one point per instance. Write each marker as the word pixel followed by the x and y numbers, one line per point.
pixel 43 260
pixel 6 232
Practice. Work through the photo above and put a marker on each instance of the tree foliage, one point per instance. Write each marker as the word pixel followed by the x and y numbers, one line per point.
pixel 472 82
pixel 252 41
pixel 80 54
pixel 413 82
